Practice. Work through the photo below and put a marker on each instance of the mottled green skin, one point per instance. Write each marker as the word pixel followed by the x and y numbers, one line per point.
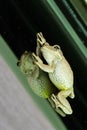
pixel 41 85
pixel 38 80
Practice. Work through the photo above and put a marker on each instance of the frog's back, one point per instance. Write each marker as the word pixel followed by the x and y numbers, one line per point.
pixel 62 77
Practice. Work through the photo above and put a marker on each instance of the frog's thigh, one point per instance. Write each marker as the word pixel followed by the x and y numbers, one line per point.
pixel 62 95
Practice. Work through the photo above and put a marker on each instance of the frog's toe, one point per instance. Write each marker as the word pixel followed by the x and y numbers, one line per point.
pixel 55 100
pixel 40 39
pixel 60 112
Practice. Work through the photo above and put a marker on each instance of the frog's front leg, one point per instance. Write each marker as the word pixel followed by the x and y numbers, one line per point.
pixel 44 67
pixel 61 96
pixel 40 42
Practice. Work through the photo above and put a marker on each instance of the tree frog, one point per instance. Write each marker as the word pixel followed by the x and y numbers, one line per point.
pixel 38 80
pixel 59 70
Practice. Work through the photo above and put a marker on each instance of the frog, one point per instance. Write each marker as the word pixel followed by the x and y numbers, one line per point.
pixel 38 80
pixel 59 71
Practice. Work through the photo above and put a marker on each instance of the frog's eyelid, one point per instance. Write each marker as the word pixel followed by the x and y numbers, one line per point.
pixel 56 47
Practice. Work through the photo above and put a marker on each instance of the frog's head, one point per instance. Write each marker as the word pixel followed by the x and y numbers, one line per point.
pixel 26 63
pixel 51 53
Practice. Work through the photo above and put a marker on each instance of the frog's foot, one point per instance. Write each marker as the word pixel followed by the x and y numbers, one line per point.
pixel 58 110
pixel 58 104
pixel 37 58
pixel 55 100
pixel 40 39
pixel 61 96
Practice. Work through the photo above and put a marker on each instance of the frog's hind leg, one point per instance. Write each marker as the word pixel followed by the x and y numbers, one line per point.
pixel 59 105
pixel 57 109
pixel 61 96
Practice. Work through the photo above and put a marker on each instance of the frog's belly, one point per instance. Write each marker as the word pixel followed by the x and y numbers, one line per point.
pixel 62 77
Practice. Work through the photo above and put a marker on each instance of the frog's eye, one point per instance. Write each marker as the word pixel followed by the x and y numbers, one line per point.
pixel 18 63
pixel 56 47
